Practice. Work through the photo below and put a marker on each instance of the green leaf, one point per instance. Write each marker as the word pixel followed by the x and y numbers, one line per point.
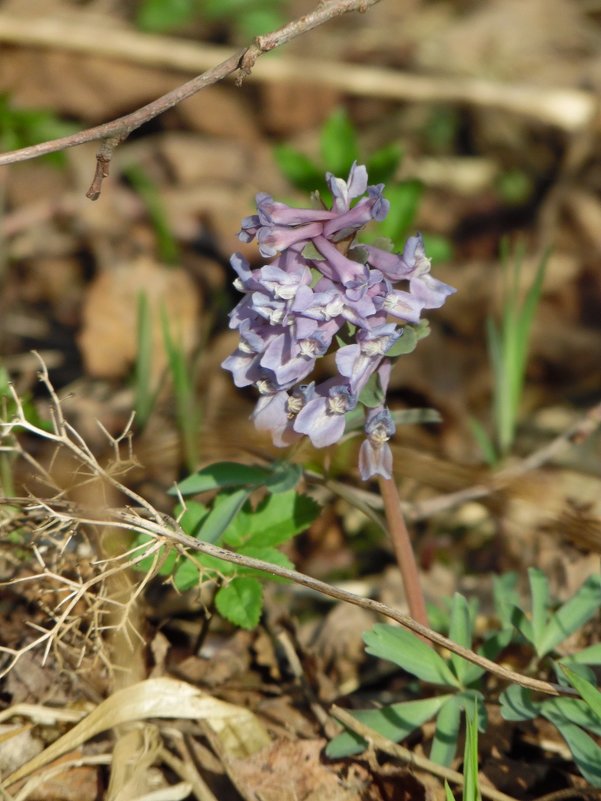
pixel 166 243
pixel 186 403
pixel 460 631
pixel 588 656
pixel 187 576
pixel 407 417
pixel 505 596
pixel 193 516
pixel 444 744
pixel 517 704
pixel 223 475
pixel 586 752
pixel 225 508
pixel 409 652
pixel 494 643
pixel 298 168
pixel 573 614
pixel 406 343
pixel 575 710
pixel 471 789
pixel 539 590
pixel 144 394
pixel 522 624
pixel 241 602
pixel 266 554
pixel 284 476
pixel 404 200
pixel 383 164
pixel 338 141
pixel 590 693
pixel 448 793
pixel 258 21
pixel 483 440
pixel 165 15
pixel 395 722
pixel 213 567
pixel 409 339
pixel 166 559
pixel 439 248
pixel 276 519
pixel 372 394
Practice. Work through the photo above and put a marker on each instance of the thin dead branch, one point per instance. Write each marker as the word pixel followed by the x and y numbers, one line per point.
pixel 568 109
pixel 113 133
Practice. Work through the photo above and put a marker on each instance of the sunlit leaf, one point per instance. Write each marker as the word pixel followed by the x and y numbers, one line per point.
pixel 223 475
pixel 395 722
pixel 241 601
pixel 586 752
pixel 409 652
pixel 573 614
pixel 517 703
pixel 444 744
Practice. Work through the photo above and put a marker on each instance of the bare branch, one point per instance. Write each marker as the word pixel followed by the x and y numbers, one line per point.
pixel 114 132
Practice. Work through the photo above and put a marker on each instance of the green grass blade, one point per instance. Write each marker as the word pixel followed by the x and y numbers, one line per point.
pixel 187 411
pixel 144 393
pixel 539 590
pixel 471 789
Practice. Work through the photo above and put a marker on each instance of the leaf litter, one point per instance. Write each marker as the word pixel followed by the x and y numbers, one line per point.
pixel 71 289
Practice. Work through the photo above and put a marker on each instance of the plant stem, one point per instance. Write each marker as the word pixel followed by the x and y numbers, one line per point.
pixel 403 550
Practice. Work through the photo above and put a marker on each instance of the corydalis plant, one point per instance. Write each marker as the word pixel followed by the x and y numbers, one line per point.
pixel 323 291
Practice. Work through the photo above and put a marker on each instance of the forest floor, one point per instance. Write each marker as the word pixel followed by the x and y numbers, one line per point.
pixel 496 115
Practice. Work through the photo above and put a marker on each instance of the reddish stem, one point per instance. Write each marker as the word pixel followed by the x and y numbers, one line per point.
pixel 403 550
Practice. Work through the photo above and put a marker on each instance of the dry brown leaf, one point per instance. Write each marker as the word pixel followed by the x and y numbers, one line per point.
pixel 108 340
pixel 156 698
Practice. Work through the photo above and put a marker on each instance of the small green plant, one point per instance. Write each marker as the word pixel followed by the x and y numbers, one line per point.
pixel 508 345
pixel 21 127
pixel 166 244
pixel 237 519
pixel 249 17
pixel 339 148
pixel 459 678
pixel 179 369
pixel 471 786
pixel 539 632
pixel 144 391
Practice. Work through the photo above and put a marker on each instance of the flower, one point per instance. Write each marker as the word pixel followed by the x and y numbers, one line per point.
pixel 320 292
pixel 375 456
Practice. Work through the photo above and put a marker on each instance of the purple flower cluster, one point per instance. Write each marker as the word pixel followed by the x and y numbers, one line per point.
pixel 322 289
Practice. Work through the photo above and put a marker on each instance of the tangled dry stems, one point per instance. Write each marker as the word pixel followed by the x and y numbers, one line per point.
pixel 87 601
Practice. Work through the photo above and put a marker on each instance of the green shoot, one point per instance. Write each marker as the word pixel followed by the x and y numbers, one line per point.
pixel 167 247
pixel 186 402
pixel 144 392
pixel 508 345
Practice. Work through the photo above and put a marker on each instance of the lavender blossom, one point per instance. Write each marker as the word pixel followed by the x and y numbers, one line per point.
pixel 321 292
pixel 375 456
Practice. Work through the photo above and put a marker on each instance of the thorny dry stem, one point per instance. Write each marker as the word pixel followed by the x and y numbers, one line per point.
pixel 115 132
pixel 143 518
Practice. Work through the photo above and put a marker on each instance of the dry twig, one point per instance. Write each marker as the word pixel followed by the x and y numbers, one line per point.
pixel 143 518
pixel 114 133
